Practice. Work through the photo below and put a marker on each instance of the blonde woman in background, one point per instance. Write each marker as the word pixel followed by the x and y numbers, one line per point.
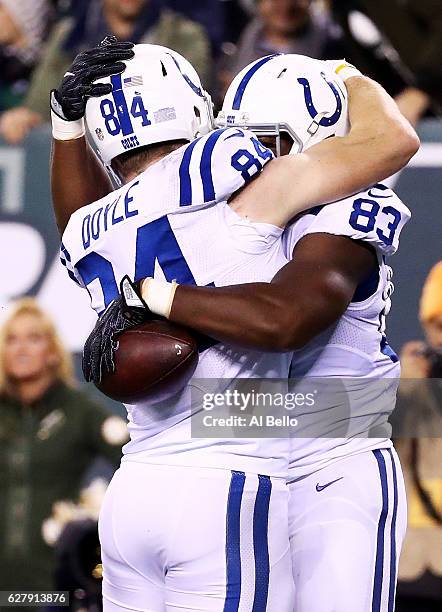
pixel 49 435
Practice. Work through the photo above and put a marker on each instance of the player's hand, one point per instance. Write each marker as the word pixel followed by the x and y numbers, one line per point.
pixel 77 86
pixel 123 313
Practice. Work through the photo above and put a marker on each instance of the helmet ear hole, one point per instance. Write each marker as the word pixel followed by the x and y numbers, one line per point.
pixel 163 69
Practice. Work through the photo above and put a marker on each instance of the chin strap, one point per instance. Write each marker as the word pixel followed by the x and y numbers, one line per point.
pixel 312 129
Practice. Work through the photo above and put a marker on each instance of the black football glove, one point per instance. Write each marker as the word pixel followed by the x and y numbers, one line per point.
pixel 77 85
pixel 123 313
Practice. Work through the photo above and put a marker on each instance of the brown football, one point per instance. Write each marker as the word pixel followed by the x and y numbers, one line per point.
pixel 153 361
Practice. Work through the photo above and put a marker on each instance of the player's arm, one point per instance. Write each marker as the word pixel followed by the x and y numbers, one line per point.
pixel 305 297
pixel 379 144
pixel 77 176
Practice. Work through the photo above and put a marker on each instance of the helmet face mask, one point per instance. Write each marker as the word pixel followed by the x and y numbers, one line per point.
pixel 158 98
pixel 275 130
pixel 278 131
pixel 287 94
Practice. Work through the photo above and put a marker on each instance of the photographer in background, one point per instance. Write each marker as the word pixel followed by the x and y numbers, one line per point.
pixel 50 434
pixel 417 428
pixel 399 44
pixel 424 359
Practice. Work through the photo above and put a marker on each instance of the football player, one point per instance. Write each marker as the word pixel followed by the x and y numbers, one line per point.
pixel 347 497
pixel 181 547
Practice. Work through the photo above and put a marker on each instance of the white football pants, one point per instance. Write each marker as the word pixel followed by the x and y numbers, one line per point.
pixel 347 523
pixel 182 539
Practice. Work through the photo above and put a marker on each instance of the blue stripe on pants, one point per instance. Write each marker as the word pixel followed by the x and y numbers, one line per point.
pixel 393 560
pixel 379 566
pixel 233 553
pixel 261 543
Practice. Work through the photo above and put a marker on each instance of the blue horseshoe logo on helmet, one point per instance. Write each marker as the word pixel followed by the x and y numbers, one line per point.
pixel 325 121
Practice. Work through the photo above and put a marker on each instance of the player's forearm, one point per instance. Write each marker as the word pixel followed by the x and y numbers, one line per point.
pixel 77 178
pixel 378 125
pixel 256 322
pixel 263 316
pixel 381 141
pixel 281 315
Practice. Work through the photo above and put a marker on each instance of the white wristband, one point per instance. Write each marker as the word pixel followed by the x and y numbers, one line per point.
pixel 346 71
pixel 158 295
pixel 66 130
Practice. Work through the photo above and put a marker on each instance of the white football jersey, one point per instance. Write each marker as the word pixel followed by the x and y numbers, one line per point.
pixel 354 418
pixel 173 222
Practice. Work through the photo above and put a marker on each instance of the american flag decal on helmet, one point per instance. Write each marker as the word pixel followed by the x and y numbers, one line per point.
pixel 133 81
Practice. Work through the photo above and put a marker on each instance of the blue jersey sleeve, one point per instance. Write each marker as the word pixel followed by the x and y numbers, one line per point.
pixel 215 166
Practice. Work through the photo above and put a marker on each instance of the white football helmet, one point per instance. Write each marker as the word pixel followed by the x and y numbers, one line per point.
pixel 287 93
pixel 158 98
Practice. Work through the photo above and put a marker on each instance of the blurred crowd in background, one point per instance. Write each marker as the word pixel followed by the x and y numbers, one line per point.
pixel 397 42
pixel 57 446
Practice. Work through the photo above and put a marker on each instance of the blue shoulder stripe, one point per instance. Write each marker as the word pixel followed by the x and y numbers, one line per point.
pixel 205 170
pixel 206 165
pixel 246 78
pixel 185 180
